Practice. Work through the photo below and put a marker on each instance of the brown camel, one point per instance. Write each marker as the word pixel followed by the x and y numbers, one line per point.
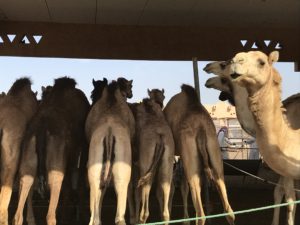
pixel 196 143
pixel 53 143
pixel 223 83
pixel 155 146
pixel 277 140
pixel 16 109
pixel 109 130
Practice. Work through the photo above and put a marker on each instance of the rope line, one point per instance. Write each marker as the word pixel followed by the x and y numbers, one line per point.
pixel 257 177
pixel 223 214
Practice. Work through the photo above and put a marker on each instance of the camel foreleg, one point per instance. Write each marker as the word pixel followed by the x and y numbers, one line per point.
pixel 278 195
pixel 290 196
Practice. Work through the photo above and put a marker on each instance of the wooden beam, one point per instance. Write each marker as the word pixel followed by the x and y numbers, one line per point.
pixel 143 42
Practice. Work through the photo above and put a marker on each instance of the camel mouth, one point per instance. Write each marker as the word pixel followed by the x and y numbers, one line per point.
pixel 235 75
pixel 206 69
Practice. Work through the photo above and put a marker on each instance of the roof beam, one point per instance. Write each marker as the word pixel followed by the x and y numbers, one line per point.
pixel 144 42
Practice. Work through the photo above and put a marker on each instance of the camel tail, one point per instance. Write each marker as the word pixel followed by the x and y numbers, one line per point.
pixel 108 158
pixel 41 156
pixel 159 151
pixel 203 151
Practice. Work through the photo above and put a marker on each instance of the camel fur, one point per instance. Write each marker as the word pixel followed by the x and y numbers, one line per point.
pixel 16 109
pixel 109 130
pixel 277 140
pixel 196 143
pixel 53 143
pixel 240 96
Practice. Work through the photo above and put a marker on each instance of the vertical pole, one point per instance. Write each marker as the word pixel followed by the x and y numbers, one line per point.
pixel 196 77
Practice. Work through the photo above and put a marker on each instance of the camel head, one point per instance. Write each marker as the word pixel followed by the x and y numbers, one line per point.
pixel 99 86
pixel 157 95
pixel 253 69
pixel 218 83
pixel 219 68
pixel 46 90
pixel 125 87
pixel 222 84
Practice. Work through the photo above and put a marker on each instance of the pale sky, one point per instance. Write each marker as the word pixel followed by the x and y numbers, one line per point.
pixel 145 74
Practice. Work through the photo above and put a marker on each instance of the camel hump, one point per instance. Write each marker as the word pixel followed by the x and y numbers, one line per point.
pixel 19 84
pixel 291 99
pixel 190 92
pixel 64 82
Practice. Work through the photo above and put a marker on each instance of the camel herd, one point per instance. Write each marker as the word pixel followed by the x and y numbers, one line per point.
pixel 131 145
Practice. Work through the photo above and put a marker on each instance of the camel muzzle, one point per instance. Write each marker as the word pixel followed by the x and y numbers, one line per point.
pixel 235 75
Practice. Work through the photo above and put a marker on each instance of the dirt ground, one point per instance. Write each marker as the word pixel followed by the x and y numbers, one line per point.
pixel 239 197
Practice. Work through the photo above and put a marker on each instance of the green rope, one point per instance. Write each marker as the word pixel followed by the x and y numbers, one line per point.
pixel 223 214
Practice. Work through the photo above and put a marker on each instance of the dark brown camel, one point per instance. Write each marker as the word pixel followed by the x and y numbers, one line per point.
pixel 109 130
pixel 53 142
pixel 155 146
pixel 197 145
pixel 16 109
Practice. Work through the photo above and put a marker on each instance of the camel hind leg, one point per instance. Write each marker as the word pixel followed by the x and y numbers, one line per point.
pixel 191 165
pixel 9 162
pixel 121 171
pixel 28 168
pixel 165 175
pixel 218 174
pixel 95 165
pixel 55 164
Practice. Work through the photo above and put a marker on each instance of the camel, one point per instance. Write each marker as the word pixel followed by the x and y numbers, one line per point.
pixel 196 143
pixel 238 96
pixel 16 109
pixel 109 129
pixel 277 140
pixel 155 146
pixel 53 142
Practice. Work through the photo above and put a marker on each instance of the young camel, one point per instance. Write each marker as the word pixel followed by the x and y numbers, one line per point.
pixel 16 110
pixel 109 130
pixel 278 142
pixel 155 146
pixel 158 96
pixel 196 143
pixel 238 96
pixel 53 142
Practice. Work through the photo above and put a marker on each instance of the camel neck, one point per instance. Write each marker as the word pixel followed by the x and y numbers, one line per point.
pixel 265 105
pixel 243 112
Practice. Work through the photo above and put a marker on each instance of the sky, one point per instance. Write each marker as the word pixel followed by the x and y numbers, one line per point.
pixel 169 75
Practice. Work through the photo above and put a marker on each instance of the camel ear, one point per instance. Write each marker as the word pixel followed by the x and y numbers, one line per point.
pixel 149 92
pixel 273 57
pixel 130 82
pixel 36 93
pixel 94 82
pixel 105 80
pixel 43 88
pixel 163 91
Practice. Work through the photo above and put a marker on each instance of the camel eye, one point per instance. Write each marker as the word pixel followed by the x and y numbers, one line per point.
pixel 261 62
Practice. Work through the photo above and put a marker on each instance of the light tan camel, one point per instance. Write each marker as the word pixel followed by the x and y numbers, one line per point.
pixel 53 141
pixel 156 154
pixel 278 142
pixel 16 109
pixel 109 130
pixel 196 143
pixel 239 96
